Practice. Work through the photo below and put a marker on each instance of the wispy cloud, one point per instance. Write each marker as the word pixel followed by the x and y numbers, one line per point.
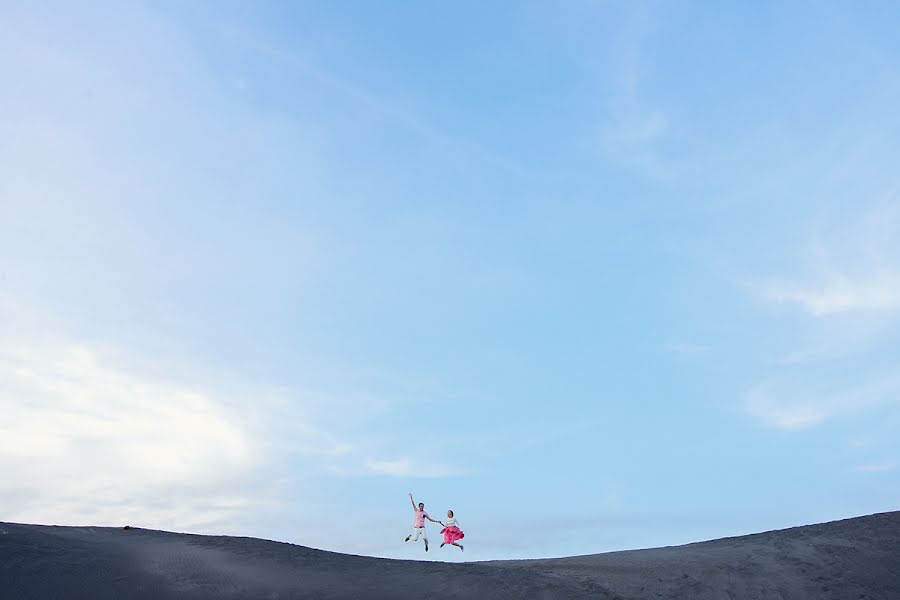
pixel 634 128
pixel 773 410
pixel 632 124
pixel 89 437
pixel 875 467
pixel 847 287
pixel 837 292
pixel 849 263
pixel 395 468
pixel 797 405
pixel 687 349
pixel 82 438
pixel 405 467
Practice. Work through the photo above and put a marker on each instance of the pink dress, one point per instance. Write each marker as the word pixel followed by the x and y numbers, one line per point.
pixel 451 532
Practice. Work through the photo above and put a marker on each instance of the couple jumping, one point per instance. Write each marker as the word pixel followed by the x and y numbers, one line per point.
pixel 451 529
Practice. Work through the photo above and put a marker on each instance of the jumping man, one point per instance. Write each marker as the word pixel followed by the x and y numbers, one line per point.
pixel 419 523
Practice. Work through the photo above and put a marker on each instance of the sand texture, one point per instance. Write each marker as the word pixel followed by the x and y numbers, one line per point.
pixel 853 559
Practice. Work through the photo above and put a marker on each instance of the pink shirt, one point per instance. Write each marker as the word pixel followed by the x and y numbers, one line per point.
pixel 419 521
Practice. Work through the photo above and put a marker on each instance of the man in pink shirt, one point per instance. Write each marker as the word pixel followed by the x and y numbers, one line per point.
pixel 419 523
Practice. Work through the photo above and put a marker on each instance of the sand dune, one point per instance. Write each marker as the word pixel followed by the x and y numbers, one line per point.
pixel 850 559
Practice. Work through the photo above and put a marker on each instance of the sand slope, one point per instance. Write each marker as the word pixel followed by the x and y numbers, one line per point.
pixel 851 559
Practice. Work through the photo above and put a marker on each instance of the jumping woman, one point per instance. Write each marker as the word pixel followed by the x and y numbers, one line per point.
pixel 451 531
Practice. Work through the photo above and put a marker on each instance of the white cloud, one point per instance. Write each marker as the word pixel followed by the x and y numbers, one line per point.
pixel 82 439
pixel 875 468
pixel 395 468
pixel 687 349
pixel 87 437
pixel 634 129
pixel 404 467
pixel 791 405
pixel 879 291
pixel 849 295
pixel 848 263
pixel 775 412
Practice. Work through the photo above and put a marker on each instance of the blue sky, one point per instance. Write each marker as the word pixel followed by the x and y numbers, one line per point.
pixel 596 276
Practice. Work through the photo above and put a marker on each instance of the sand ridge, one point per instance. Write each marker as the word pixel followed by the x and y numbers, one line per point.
pixel 854 558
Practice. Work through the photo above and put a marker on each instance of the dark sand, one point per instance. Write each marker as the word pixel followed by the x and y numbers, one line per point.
pixel 854 559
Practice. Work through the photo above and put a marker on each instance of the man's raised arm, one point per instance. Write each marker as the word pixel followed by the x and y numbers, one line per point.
pixel 413 502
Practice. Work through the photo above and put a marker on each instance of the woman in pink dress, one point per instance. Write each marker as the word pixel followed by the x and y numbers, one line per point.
pixel 451 531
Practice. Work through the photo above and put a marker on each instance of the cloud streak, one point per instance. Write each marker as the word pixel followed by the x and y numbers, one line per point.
pixel 875 468
pixel 792 405
pixel 406 467
pixel 838 293
pixel 88 437
pixel 81 438
pixel 848 295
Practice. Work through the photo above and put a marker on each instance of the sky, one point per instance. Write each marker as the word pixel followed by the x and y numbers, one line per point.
pixel 594 275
